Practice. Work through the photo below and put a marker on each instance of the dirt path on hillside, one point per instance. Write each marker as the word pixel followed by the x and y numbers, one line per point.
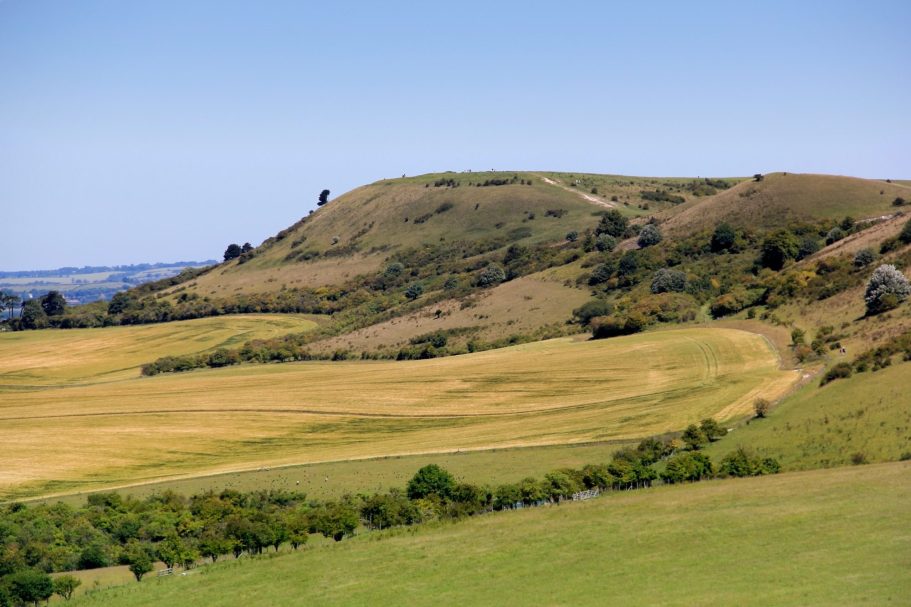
pixel 589 197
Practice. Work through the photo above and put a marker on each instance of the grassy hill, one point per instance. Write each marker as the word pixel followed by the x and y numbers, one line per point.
pixel 355 232
pixel 810 538
pixel 781 199
pixel 546 393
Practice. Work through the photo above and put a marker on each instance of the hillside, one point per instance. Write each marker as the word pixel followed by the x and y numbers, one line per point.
pixel 811 538
pixel 782 199
pixel 354 233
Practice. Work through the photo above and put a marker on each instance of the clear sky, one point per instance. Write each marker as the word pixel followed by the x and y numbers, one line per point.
pixel 164 130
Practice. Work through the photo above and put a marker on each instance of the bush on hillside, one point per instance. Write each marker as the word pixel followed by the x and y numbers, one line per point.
pixel 605 243
pixel 808 246
pixel 669 281
pixel 613 224
pixel 592 309
pixel 778 248
pixel 724 238
pixel 834 235
pixel 491 276
pixel 839 371
pixel 887 288
pixel 649 236
pixel 742 463
pixel 864 257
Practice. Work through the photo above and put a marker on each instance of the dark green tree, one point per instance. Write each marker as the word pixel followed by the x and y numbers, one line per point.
pixel 29 586
pixel 778 248
pixel 724 238
pixel 613 224
pixel 233 251
pixel 694 437
pixel 53 304
pixel 335 519
pixel 139 557
pixel 712 429
pixel 119 302
pixel 431 480
pixel 323 198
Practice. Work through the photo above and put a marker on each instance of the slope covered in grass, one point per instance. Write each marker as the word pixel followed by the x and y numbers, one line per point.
pixel 833 537
pixel 554 392
pixel 782 199
pixel 355 232
pixel 865 418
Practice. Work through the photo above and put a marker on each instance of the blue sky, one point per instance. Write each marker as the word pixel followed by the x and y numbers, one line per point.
pixel 157 131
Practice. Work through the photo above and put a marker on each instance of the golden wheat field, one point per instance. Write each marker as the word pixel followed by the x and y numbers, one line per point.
pixel 104 432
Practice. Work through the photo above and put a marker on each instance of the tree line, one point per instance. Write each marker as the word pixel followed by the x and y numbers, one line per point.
pixel 181 531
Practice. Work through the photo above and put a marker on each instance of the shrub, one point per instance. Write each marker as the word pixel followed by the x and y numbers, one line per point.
pixel 898 202
pixel 669 281
pixel 414 290
pixel 886 289
pixel 491 276
pixel 649 236
pixel 808 246
pixel 687 467
pixel 613 224
pixel 605 243
pixel 601 274
pixel 864 257
pixel 723 238
pixel 592 309
pixel 834 235
pixel 761 407
pixel 742 463
pixel 611 326
pixel 839 371
pixel 572 236
pixel 859 458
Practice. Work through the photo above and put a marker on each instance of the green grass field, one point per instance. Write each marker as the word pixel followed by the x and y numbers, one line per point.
pixel 333 479
pixel 826 537
pixel 867 417
pixel 556 392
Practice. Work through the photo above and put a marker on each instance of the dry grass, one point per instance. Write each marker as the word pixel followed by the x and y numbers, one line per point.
pixel 555 392
pixel 516 307
pixel 784 198
pixel 379 218
pixel 63 357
